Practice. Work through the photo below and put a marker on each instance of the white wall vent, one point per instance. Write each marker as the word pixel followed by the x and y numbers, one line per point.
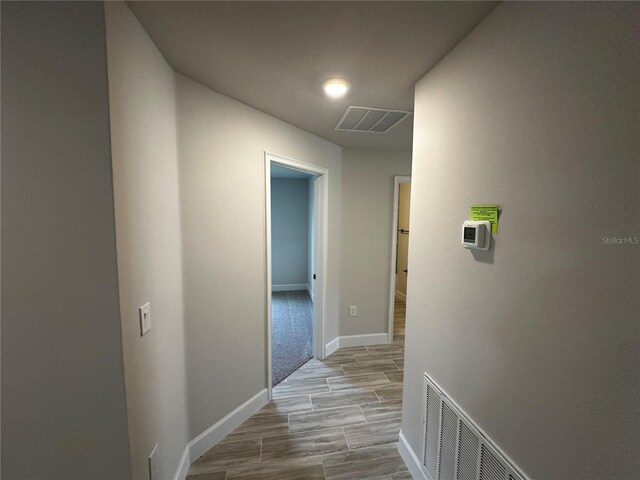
pixel 454 447
pixel 368 119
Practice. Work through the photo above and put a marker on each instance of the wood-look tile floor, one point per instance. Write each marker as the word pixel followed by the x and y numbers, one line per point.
pixel 335 419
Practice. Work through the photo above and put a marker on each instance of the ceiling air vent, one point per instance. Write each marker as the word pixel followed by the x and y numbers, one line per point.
pixel 372 120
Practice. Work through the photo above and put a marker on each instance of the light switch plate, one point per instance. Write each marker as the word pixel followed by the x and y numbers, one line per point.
pixel 353 311
pixel 145 318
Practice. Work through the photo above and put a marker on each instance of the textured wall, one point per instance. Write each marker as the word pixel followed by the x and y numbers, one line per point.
pixel 367 215
pixel 289 231
pixel 145 177
pixel 222 183
pixel 63 399
pixel 537 339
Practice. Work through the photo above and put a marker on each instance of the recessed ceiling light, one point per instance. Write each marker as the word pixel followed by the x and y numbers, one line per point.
pixel 336 87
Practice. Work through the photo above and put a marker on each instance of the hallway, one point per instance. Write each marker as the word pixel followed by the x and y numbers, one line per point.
pixel 333 419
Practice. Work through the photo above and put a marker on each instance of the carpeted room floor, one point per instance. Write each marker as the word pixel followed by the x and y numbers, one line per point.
pixel 292 332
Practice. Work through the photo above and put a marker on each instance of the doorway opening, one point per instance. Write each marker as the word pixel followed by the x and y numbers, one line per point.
pixel 399 258
pixel 296 238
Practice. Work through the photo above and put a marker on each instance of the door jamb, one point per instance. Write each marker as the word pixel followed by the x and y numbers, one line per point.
pixel 397 180
pixel 321 210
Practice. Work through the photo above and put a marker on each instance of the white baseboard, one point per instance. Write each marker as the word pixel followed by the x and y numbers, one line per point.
pixel 290 287
pixel 183 466
pixel 355 341
pixel 362 340
pixel 332 346
pixel 401 296
pixel 411 459
pixel 216 432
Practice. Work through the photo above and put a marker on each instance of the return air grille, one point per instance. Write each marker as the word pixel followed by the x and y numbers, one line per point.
pixel 448 431
pixel 432 413
pixel 368 119
pixel 490 466
pixel 454 447
pixel 467 461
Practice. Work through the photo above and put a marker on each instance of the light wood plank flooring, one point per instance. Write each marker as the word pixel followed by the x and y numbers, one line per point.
pixel 336 419
pixel 399 318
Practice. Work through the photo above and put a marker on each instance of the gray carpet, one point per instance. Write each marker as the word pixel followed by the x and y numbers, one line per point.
pixel 291 332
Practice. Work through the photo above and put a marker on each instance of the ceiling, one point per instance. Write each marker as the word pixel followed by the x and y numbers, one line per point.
pixel 274 55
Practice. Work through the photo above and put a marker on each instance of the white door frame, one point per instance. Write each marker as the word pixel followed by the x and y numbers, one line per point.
pixel 321 210
pixel 397 180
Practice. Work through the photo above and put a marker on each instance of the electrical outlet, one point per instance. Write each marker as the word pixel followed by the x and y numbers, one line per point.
pixel 145 318
pixel 353 311
pixel 153 463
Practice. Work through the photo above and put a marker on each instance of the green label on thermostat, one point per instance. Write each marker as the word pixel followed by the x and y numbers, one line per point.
pixel 486 212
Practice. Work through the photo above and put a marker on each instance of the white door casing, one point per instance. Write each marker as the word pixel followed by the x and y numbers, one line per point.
pixel 321 198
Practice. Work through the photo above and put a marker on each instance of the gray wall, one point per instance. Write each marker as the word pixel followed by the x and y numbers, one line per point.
pixel 221 148
pixel 537 339
pixel 290 231
pixel 147 208
pixel 63 399
pixel 367 217
pixel 204 153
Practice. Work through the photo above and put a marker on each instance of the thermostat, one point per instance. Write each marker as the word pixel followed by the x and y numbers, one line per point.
pixel 476 234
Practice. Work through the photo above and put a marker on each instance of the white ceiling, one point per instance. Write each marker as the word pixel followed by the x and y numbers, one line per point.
pixel 275 55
